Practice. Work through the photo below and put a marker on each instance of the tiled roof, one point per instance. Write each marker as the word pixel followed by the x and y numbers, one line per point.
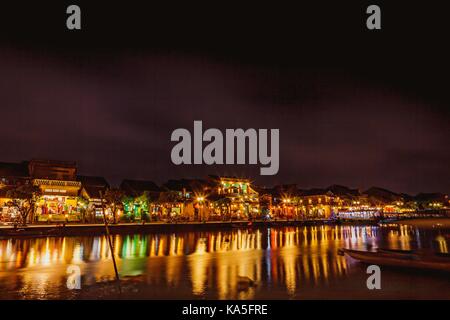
pixel 93 181
pixel 139 186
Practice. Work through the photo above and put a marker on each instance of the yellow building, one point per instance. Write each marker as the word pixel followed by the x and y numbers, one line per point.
pixel 58 201
pixel 11 175
pixel 236 198
pixel 59 187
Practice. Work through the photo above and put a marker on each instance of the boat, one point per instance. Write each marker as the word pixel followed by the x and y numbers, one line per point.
pixel 400 258
pixel 396 251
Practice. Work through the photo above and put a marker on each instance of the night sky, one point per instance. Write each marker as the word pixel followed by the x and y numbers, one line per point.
pixel 354 107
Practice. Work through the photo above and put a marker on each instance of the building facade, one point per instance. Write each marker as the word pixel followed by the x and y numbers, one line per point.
pixel 59 187
pixel 140 202
pixel 234 198
pixel 64 196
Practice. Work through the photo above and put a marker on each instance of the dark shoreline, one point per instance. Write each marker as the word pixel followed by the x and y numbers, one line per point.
pixel 99 229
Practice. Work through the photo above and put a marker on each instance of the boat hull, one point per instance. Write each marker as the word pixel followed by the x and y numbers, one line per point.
pixel 402 260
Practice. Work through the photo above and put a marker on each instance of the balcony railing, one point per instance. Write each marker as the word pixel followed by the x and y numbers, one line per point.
pixel 59 183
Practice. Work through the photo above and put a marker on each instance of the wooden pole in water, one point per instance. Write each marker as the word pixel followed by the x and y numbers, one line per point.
pixel 110 243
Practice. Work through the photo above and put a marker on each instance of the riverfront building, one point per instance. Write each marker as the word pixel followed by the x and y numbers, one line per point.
pixel 187 199
pixel 57 185
pixel 11 175
pixel 93 188
pixel 234 198
pixel 140 200
pixel 57 193
pixel 57 181
pixel 58 196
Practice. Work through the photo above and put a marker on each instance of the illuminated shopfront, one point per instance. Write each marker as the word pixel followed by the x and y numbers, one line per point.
pixel 8 213
pixel 58 201
pixel 318 206
pixel 237 197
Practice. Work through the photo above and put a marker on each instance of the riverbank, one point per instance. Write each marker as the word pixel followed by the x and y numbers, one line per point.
pixel 131 228
pixel 217 264
pixel 79 229
pixel 75 229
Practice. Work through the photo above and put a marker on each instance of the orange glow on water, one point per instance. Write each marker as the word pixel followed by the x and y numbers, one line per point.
pixel 288 257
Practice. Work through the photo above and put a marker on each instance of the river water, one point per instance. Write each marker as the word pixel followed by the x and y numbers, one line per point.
pixel 283 263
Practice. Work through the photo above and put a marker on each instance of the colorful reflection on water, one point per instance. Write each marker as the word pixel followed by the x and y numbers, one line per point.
pixel 287 262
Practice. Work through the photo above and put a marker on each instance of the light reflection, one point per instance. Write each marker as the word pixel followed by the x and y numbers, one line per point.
pixel 203 262
pixel 442 243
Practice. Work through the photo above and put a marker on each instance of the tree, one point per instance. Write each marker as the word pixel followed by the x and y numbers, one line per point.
pixel 114 200
pixel 168 199
pixel 24 198
pixel 145 200
pixel 83 203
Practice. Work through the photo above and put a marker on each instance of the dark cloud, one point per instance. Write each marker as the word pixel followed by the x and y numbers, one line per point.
pixel 114 114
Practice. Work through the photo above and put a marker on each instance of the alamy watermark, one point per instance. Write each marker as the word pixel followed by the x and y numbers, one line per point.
pixel 74 279
pixel 215 153
pixel 374 280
